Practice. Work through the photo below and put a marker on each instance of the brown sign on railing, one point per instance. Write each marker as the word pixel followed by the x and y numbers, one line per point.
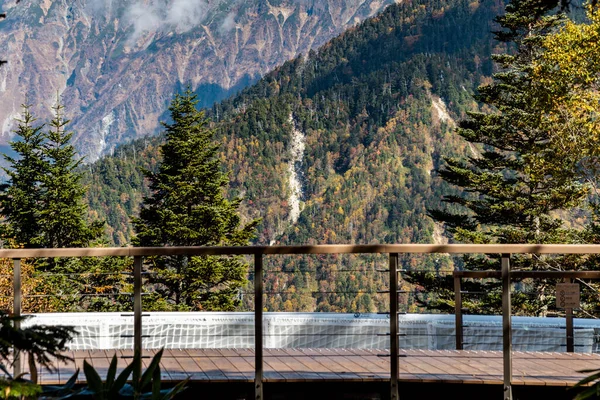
pixel 567 295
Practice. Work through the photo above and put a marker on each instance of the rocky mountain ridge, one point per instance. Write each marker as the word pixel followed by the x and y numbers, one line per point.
pixel 115 65
pixel 339 146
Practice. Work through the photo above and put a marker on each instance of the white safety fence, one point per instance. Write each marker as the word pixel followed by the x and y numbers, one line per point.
pixel 318 330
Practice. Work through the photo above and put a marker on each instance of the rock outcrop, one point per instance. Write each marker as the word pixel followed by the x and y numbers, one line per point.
pixel 116 64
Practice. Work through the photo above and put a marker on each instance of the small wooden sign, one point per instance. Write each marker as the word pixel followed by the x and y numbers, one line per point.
pixel 567 295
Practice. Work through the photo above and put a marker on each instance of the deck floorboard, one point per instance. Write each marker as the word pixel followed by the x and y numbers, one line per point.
pixel 352 365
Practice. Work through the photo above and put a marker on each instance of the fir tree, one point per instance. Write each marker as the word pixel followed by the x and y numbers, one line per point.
pixel 42 204
pixel 187 208
pixel 62 219
pixel 63 222
pixel 514 187
pixel 21 196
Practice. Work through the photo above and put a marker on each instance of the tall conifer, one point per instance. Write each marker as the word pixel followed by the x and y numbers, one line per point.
pixel 187 207
pixel 63 219
pixel 514 187
pixel 42 205
pixel 20 197
pixel 42 202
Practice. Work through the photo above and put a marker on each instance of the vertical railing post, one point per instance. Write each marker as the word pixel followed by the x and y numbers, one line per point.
pixel 258 327
pixel 569 325
pixel 506 327
pixel 137 312
pixel 17 309
pixel 394 348
pixel 458 318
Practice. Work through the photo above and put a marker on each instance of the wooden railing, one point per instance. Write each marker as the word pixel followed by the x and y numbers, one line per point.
pixel 505 274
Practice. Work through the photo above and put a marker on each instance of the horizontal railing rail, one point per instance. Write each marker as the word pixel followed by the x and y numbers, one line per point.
pixel 529 274
pixel 392 250
pixel 309 249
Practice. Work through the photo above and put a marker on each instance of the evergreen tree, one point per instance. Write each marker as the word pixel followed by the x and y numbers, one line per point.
pixel 63 223
pixel 513 189
pixel 20 197
pixel 187 208
pixel 63 212
pixel 42 204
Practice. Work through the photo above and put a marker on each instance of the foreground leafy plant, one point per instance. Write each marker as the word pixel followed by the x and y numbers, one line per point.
pixel 39 343
pixel 591 392
pixel 16 386
pixel 53 391
pixel 116 387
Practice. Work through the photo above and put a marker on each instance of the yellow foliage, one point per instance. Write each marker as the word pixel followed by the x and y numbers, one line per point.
pixel 288 306
pixel 31 286
pixel 569 72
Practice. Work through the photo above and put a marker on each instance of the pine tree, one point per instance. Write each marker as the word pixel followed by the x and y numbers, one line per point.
pixel 63 212
pixel 187 207
pixel 512 190
pixel 42 204
pixel 20 197
pixel 63 221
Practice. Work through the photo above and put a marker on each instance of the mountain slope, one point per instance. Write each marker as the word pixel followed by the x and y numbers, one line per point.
pixel 116 64
pixel 340 146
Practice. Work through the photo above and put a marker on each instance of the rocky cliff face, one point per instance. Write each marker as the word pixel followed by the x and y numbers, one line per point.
pixel 116 64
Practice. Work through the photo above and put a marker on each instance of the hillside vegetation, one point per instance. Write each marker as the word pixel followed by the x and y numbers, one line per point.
pixel 339 146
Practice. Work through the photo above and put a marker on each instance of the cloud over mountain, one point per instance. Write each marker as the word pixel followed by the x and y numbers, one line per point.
pixel 177 16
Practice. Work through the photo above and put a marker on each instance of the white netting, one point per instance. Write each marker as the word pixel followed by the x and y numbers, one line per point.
pixel 318 330
pixel 311 331
pixel 528 336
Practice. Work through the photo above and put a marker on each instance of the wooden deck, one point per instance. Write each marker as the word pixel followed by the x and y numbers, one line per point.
pixel 352 365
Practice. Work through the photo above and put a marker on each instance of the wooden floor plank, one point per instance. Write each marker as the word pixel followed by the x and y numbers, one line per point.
pixel 243 368
pixel 312 369
pixel 170 362
pixel 274 363
pixel 547 368
pixel 480 369
pixel 455 367
pixel 376 365
pixel 192 369
pixel 296 361
pixel 490 365
pixel 420 369
pixel 228 369
pixel 345 367
pixel 358 362
pixel 246 362
pixel 206 365
pixel 524 370
pixel 300 365
pixel 66 369
pixel 330 364
pixel 407 371
pixel 312 362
